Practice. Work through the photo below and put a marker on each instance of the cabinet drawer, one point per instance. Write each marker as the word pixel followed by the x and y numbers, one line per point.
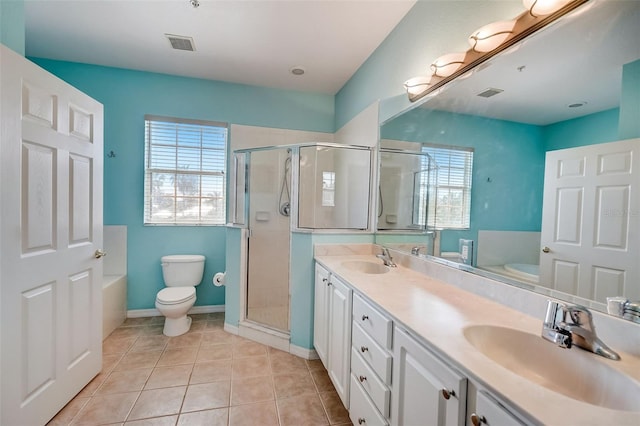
pixel 372 385
pixel 362 411
pixel 372 353
pixel 372 321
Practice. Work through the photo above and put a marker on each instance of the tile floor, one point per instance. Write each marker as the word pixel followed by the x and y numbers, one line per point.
pixel 204 377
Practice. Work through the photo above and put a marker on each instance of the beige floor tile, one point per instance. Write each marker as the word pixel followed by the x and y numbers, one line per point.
pixel 283 362
pixel 136 322
pixel 197 327
pixel 214 352
pixel 218 417
pixel 178 356
pixel 322 380
pixel 207 396
pixel 155 421
pixel 198 317
pixel 109 362
pixel 134 360
pixel 246 349
pixel 251 389
pixel 126 332
pixel 216 316
pixel 251 366
pixel 69 411
pixel 185 340
pixel 262 413
pixel 217 337
pixel 124 381
pixel 93 385
pixel 214 325
pixel 314 364
pixel 301 410
pixel 164 377
pixel 150 343
pixel 293 384
pixel 158 402
pixel 152 330
pixel 211 371
pixel 117 345
pixel 105 409
pixel 334 408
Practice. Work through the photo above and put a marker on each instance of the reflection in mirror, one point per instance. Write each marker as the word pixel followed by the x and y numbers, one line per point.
pixel 570 86
pixel 407 183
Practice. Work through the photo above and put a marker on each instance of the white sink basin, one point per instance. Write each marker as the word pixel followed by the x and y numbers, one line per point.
pixel 573 372
pixel 366 267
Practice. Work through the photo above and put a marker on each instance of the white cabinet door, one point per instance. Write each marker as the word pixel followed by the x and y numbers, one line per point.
pixel 340 338
pixel 321 313
pixel 491 413
pixel 424 391
pixel 51 225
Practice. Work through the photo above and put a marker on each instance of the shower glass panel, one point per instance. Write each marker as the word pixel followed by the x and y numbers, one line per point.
pixel 334 187
pixel 269 200
pixel 406 190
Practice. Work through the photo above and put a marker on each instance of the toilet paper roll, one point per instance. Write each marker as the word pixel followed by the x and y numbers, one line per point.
pixel 218 279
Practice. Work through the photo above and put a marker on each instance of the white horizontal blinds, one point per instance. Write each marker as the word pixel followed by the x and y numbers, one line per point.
pixel 452 206
pixel 185 167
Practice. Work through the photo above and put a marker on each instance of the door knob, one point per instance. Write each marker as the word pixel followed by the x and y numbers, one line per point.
pixel 100 253
pixel 546 249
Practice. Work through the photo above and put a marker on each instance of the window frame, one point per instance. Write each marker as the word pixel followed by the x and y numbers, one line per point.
pixel 463 221
pixel 149 171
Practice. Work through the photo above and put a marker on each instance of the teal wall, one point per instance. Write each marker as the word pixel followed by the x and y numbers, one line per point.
pixel 587 130
pixel 505 154
pixel 630 101
pixel 127 96
pixel 232 276
pixel 12 24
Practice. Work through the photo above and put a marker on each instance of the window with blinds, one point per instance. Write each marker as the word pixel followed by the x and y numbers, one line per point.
pixel 185 165
pixel 451 208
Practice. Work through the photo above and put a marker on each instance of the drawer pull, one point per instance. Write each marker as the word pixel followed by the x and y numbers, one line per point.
pixel 329 283
pixel 446 394
pixel 324 280
pixel 363 349
pixel 361 420
pixel 362 378
pixel 477 420
pixel 365 317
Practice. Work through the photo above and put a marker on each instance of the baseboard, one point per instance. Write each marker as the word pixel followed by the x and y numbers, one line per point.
pixel 264 335
pixel 303 352
pixel 231 329
pixel 206 309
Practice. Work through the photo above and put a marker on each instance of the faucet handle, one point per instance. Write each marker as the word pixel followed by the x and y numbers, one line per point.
pixel 581 316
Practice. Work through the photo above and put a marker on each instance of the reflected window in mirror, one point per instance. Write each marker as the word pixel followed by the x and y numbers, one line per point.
pixel 452 206
pixel 328 189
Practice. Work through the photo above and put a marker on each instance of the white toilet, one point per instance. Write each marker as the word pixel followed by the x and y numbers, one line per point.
pixel 181 274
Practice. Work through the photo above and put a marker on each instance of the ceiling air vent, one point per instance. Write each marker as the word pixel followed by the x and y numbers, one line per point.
pixel 489 92
pixel 181 42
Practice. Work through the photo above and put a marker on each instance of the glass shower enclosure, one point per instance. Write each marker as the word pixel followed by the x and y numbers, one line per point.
pixel 281 189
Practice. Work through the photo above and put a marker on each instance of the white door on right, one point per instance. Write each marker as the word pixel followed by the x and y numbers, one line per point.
pixel 591 221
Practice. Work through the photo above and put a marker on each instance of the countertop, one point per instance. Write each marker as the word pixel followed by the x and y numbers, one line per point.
pixel 437 314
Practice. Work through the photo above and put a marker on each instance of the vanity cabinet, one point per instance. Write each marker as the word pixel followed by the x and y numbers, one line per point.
pixel 490 412
pixel 425 390
pixel 371 363
pixel 332 329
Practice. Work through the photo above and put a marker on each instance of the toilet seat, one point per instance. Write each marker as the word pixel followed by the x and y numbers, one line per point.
pixel 175 295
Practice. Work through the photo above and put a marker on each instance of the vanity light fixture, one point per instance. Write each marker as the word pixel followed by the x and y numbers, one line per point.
pixel 416 85
pixel 447 64
pixel 487 42
pixel 544 7
pixel 491 36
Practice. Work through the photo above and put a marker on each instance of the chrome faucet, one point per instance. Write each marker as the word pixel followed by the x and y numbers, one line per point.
pixel 567 325
pixel 415 250
pixel 386 257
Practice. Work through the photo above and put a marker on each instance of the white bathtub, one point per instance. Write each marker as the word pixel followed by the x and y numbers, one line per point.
pixel 114 302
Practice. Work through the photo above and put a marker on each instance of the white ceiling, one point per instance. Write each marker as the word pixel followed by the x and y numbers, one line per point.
pixel 253 42
pixel 576 60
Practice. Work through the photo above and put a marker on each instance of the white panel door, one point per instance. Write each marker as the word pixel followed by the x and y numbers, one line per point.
pixel 591 221
pixel 339 353
pixel 50 228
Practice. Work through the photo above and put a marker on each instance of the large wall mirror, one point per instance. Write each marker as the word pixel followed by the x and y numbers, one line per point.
pixel 574 84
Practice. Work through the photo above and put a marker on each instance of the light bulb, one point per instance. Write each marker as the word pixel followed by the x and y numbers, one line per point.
pixel 447 64
pixel 491 36
pixel 544 7
pixel 416 85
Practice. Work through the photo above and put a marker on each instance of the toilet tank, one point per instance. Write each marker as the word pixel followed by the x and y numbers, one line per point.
pixel 182 270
